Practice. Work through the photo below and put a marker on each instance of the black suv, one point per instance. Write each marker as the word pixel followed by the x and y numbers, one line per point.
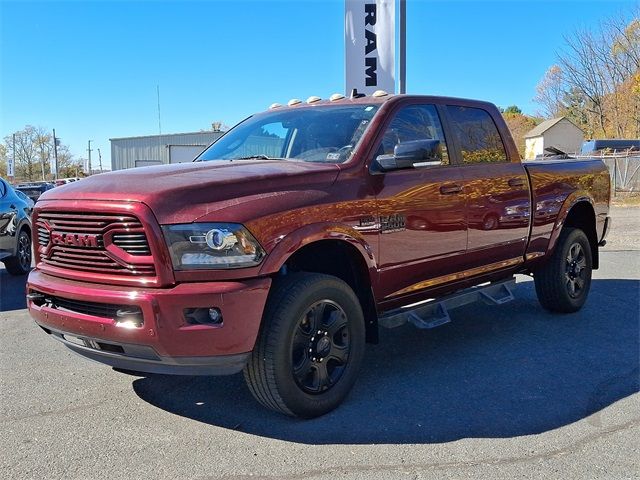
pixel 15 230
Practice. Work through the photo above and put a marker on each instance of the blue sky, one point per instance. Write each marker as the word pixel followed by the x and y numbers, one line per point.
pixel 89 69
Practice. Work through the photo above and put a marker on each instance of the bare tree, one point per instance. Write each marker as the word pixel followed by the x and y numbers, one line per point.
pixel 33 153
pixel 44 142
pixel 550 92
pixel 3 161
pixel 26 151
pixel 597 79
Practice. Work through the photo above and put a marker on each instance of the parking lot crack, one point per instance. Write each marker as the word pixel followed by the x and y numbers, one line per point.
pixel 50 413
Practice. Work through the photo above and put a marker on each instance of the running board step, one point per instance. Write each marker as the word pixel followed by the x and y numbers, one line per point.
pixel 435 312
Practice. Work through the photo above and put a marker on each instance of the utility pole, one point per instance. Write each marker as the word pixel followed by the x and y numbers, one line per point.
pixel 55 155
pixel 89 150
pixel 159 125
pixel 100 160
pixel 402 84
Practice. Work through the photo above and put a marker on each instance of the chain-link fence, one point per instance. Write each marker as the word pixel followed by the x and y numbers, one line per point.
pixel 624 169
pixel 625 173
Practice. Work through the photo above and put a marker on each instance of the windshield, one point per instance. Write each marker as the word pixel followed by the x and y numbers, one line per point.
pixel 323 134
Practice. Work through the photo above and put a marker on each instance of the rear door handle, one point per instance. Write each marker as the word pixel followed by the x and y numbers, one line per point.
pixel 450 189
pixel 516 182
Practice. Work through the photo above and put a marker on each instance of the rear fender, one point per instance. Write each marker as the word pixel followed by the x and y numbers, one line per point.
pixel 570 202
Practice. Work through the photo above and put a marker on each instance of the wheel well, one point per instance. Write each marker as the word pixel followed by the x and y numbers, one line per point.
pixel 342 260
pixel 583 216
pixel 27 228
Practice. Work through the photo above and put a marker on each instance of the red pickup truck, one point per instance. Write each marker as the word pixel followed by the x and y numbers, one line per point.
pixel 286 244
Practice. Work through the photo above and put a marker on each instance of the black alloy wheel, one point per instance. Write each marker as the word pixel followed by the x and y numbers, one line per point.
pixel 575 270
pixel 563 280
pixel 20 264
pixel 320 347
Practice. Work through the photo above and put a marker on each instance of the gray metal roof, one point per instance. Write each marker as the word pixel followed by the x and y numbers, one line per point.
pixel 201 132
pixel 546 125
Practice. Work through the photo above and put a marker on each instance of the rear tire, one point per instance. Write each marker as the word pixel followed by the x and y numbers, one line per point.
pixel 310 347
pixel 20 264
pixel 563 282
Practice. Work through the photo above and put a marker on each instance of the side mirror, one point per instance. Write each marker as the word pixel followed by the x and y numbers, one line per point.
pixel 411 154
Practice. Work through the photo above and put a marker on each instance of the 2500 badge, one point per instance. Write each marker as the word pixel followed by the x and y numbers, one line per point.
pixel 383 224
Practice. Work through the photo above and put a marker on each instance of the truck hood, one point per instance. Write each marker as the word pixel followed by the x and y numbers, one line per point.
pixel 220 190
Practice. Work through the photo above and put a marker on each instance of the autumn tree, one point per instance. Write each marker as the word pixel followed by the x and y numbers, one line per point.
pixel 519 125
pixel 596 81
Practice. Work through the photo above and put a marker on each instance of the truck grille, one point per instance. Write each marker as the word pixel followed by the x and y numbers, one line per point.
pixel 132 243
pixel 80 241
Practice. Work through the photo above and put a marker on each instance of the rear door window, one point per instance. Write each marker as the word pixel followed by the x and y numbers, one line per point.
pixel 477 135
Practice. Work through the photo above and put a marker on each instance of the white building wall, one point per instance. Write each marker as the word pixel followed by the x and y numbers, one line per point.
pixel 564 136
pixel 532 147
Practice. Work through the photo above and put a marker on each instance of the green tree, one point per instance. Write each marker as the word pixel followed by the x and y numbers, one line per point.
pixel 513 109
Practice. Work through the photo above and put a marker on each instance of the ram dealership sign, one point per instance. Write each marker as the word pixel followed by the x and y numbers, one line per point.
pixel 370 45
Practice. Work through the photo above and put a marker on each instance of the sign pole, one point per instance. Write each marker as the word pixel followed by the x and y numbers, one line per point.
pixel 402 83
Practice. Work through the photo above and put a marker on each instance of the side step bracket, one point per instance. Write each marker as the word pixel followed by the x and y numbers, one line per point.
pixel 434 313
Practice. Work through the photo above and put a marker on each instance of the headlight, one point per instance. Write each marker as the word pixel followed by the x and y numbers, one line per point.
pixel 211 245
pixel 511 210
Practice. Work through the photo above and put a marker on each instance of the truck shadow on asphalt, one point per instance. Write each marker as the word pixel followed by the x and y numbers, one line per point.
pixel 12 291
pixel 493 372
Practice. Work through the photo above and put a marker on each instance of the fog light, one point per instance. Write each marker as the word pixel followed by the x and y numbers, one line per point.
pixel 129 318
pixel 215 315
pixel 203 316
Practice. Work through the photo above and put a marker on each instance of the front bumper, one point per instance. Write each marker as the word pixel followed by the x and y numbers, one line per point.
pixel 166 342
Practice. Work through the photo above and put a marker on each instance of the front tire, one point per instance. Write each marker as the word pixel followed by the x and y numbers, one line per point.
pixel 310 346
pixel 20 264
pixel 490 222
pixel 563 282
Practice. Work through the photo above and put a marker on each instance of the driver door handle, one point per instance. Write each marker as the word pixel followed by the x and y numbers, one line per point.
pixel 450 189
pixel 516 182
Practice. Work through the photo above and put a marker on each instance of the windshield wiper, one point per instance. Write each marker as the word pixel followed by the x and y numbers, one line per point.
pixel 258 157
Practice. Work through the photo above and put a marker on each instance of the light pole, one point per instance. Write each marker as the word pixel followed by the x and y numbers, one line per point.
pixel 89 150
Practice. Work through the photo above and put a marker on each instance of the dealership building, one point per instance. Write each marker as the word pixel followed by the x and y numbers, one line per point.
pixel 130 152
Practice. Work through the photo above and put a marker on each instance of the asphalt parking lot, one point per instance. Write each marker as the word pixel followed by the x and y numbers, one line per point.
pixel 501 392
